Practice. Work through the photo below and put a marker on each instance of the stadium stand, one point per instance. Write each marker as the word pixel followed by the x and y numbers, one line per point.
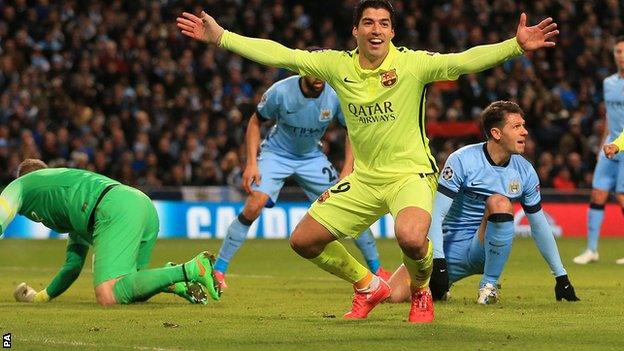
pixel 111 86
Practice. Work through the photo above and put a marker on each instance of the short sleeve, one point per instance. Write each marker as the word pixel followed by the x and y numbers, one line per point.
pixel 452 176
pixel 270 103
pixel 531 197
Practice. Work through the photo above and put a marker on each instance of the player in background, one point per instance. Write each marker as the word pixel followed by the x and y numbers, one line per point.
pixel 120 223
pixel 610 151
pixel 302 109
pixel 381 89
pixel 609 173
pixel 472 226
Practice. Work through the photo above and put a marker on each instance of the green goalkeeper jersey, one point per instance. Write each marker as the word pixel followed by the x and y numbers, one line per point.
pixel 62 199
pixel 384 108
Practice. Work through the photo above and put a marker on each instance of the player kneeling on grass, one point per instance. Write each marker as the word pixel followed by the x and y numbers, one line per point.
pixel 472 224
pixel 120 223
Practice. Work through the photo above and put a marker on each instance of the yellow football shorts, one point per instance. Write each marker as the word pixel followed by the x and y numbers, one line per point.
pixel 352 205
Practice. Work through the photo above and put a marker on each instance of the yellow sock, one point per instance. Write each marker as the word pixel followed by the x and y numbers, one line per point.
pixel 420 270
pixel 336 260
pixel 364 282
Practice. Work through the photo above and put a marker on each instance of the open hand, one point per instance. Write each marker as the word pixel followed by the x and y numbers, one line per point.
pixel 538 36
pixel 203 28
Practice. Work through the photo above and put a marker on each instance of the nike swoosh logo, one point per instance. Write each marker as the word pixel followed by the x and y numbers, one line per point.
pixel 290 112
pixel 202 269
pixel 567 286
pixel 475 183
pixel 347 80
pixel 442 270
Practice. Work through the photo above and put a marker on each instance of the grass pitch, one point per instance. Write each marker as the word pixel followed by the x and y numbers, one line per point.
pixel 279 301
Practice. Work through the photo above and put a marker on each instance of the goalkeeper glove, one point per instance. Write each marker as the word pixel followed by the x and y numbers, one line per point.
pixel 24 293
pixel 439 283
pixel 564 289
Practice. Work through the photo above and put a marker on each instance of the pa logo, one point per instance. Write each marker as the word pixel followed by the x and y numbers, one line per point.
pixel 6 341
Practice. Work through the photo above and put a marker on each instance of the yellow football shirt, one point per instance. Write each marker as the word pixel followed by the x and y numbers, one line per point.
pixel 384 108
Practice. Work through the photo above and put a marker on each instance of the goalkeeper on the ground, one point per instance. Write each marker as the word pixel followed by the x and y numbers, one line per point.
pixel 120 223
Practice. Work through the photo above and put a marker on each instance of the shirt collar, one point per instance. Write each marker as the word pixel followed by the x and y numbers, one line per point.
pixel 487 156
pixel 385 65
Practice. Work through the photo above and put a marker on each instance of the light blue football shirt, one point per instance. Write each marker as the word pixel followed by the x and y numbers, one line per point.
pixel 470 176
pixel 300 121
pixel 613 90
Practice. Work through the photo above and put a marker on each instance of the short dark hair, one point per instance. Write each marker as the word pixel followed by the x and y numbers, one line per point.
pixel 619 39
pixel 30 165
pixel 494 115
pixel 376 4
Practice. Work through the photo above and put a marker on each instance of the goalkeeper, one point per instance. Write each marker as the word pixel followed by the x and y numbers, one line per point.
pixel 120 223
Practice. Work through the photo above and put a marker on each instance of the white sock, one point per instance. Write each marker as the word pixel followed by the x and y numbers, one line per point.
pixel 374 284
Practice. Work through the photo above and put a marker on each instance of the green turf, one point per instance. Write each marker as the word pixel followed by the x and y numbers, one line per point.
pixel 278 301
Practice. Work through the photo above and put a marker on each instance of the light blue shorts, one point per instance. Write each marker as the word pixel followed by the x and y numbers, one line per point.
pixel 609 174
pixel 314 175
pixel 464 257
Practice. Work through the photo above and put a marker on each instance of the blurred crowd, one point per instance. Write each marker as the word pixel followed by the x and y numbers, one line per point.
pixel 112 86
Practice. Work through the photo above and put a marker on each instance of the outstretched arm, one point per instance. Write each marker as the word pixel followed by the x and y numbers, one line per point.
pixel 266 52
pixel 74 261
pixel 75 257
pixel 207 30
pixel 479 58
pixel 545 241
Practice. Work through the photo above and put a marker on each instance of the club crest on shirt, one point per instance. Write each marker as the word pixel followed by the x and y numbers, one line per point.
pixel 325 115
pixel 389 78
pixel 324 196
pixel 514 187
pixel 447 173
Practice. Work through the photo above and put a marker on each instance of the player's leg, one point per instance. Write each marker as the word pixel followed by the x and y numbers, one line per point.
pixel 344 210
pixel 317 175
pixel 496 233
pixel 273 171
pixel 192 292
pixel 118 232
pixel 604 180
pixel 237 233
pixel 619 195
pixel 410 203
pixel 400 285
pixel 460 264
pixel 367 245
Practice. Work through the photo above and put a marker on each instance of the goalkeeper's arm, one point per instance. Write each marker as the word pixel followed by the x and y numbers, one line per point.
pixel 74 261
pixel 69 272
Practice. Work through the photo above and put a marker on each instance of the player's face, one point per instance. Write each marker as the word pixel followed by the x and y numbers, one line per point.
pixel 313 83
pixel 513 134
pixel 618 55
pixel 374 33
